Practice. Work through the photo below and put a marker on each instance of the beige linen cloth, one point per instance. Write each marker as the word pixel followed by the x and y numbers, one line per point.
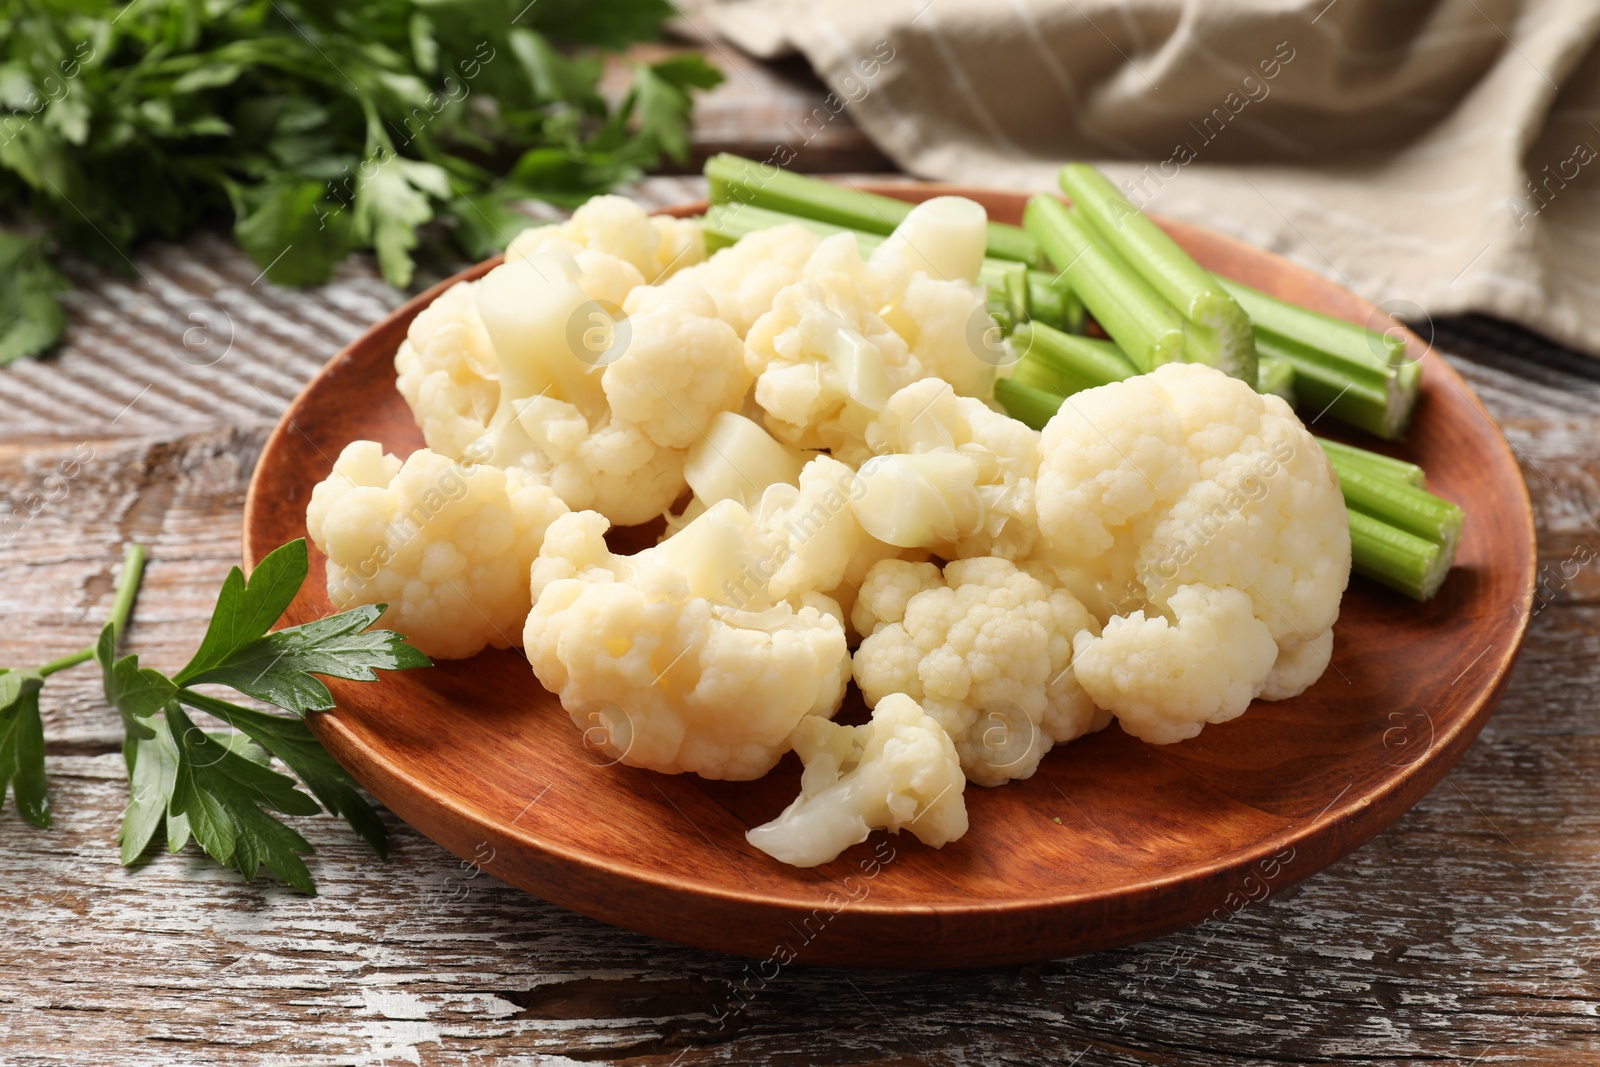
pixel 1436 157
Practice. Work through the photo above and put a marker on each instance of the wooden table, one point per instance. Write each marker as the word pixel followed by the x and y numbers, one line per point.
pixel 1469 932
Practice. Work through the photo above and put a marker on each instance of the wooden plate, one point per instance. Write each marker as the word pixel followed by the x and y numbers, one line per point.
pixel 1112 841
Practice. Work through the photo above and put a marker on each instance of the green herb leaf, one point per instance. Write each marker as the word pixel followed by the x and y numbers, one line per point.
pixel 137 692
pixel 277 668
pixel 295 234
pixel 662 103
pixel 152 764
pixel 246 610
pixel 391 202
pixel 291 741
pixel 152 773
pixel 223 795
pixel 31 320
pixel 122 122
pixel 22 745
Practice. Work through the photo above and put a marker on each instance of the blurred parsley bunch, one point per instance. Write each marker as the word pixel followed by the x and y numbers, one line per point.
pixel 319 128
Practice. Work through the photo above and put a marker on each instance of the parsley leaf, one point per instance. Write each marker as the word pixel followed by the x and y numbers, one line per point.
pixel 245 610
pixel 220 789
pixel 152 772
pixel 291 741
pixel 137 692
pixel 277 667
pixel 22 745
pixel 30 319
pixel 317 129
pixel 222 794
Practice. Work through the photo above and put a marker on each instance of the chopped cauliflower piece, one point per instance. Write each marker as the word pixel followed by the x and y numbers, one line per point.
pixel 1186 477
pixel 689 677
pixel 657 246
pixel 1298 667
pixel 818 543
pixel 949 474
pixel 682 367
pixel 1166 680
pixel 822 547
pixel 447 368
pixel 446 546
pixel 987 649
pixel 899 771
pixel 534 367
pixel 743 278
pixel 945 237
pixel 850 332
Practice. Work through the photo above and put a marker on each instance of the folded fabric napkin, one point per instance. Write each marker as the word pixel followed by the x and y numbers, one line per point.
pixel 1435 157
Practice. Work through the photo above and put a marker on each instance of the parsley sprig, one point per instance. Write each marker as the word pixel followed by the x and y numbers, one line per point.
pixel 315 129
pixel 217 788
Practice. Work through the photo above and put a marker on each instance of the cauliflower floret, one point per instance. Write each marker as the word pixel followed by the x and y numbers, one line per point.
pixel 820 541
pixel 741 279
pixel 685 677
pixel 656 245
pixel 1165 681
pixel 851 332
pixel 447 368
pixel 682 366
pixel 898 771
pixel 1187 477
pixel 446 371
pixel 609 466
pixel 446 546
pixel 950 474
pixel 1298 667
pixel 987 649
pixel 600 407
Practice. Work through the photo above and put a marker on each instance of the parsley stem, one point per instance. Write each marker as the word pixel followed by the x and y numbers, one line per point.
pixel 127 585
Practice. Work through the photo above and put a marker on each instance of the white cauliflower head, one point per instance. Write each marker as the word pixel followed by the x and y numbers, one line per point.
pixel 949 474
pixel 446 546
pixel 1186 477
pixel 987 649
pixel 657 246
pixel 681 367
pixel 1166 680
pixel 850 332
pixel 743 278
pixel 447 368
pixel 899 771
pixel 686 677
pixel 534 366
pixel 802 505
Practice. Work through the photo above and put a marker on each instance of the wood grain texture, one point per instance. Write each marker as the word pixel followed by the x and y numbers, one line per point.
pixel 1112 841
pixel 1467 932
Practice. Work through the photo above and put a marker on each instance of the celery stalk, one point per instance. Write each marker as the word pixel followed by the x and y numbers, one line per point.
pixel 1142 324
pixel 1026 403
pixel 1413 510
pixel 1400 560
pixel 1064 363
pixel 1219 333
pixel 1357 375
pixel 1052 302
pixel 736 179
pixel 1374 463
pixel 1275 376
